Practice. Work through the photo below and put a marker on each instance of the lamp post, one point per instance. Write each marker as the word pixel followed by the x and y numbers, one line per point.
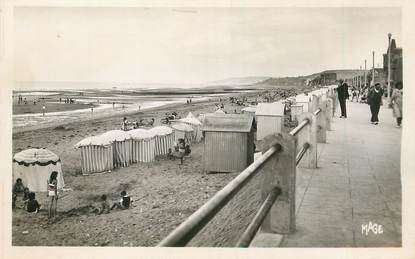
pixel 389 66
pixel 373 69
pixel 365 73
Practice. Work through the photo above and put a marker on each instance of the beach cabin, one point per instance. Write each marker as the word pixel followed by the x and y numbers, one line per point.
pixel 270 118
pixel 164 139
pixel 121 147
pixel 34 167
pixel 143 145
pixel 96 155
pixel 304 100
pixel 228 142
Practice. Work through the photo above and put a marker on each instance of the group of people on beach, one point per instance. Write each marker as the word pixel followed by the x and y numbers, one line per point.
pixel 21 195
pixel 67 100
pixel 103 207
pixel 374 98
pixel 127 125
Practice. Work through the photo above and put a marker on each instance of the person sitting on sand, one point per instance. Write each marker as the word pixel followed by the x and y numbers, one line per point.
pixel 26 193
pixel 124 203
pixel 32 205
pixel 103 207
pixel 151 123
pixel 125 124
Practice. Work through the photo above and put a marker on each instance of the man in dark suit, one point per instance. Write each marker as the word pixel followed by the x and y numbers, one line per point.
pixel 343 94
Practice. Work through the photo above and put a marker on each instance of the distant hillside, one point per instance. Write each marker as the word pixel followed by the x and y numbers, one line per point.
pixel 238 81
pixel 303 80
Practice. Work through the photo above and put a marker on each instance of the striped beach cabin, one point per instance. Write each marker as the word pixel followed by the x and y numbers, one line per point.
pixel 96 155
pixel 121 147
pixel 164 139
pixel 143 145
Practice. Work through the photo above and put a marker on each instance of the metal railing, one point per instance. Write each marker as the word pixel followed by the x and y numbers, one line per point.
pixel 187 230
pixel 300 126
pixel 253 227
pixel 302 152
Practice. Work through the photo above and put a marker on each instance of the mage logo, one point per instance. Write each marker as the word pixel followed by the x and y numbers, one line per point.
pixel 375 228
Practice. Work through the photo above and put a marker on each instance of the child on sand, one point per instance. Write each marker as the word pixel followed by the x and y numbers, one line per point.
pixel 18 190
pixel 124 203
pixel 32 205
pixel 104 206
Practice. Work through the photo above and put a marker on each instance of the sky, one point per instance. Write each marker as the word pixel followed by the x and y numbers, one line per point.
pixel 195 45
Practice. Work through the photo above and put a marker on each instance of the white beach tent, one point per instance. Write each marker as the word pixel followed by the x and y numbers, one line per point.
pixel 249 110
pixel 220 111
pixel 164 139
pixel 121 146
pixel 34 167
pixel 143 145
pixel 184 131
pixel 196 125
pixel 96 154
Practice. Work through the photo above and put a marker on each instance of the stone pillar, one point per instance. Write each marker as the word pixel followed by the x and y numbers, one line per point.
pixel 321 122
pixel 280 171
pixel 309 134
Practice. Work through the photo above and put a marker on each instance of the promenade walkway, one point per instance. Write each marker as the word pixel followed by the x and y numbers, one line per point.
pixel 357 182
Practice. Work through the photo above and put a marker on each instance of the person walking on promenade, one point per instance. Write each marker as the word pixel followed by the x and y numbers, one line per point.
pixel 343 94
pixel 396 100
pixel 374 99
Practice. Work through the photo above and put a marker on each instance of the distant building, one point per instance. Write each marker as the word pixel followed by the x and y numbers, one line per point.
pixel 396 63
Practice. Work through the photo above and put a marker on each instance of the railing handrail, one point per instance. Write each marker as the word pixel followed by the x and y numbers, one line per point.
pixel 195 222
pixel 300 126
pixel 302 152
pixel 316 112
pixel 259 217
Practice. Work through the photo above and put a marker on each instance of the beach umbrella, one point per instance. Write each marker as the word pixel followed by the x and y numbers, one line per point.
pixel 96 154
pixel 164 138
pixel 34 167
pixel 121 146
pixel 219 111
pixel 143 145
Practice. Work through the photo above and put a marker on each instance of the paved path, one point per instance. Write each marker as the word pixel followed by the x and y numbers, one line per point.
pixel 358 181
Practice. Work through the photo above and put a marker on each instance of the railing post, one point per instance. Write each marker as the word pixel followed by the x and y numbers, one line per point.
pixel 309 134
pixel 329 112
pixel 335 101
pixel 280 171
pixel 313 104
pixel 321 122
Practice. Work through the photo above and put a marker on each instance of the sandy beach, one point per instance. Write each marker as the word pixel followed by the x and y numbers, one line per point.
pixel 166 192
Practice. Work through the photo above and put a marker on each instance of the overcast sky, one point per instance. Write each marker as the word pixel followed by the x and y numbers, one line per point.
pixel 195 45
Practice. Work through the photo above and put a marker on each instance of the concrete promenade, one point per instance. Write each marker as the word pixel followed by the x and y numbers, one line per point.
pixel 357 182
